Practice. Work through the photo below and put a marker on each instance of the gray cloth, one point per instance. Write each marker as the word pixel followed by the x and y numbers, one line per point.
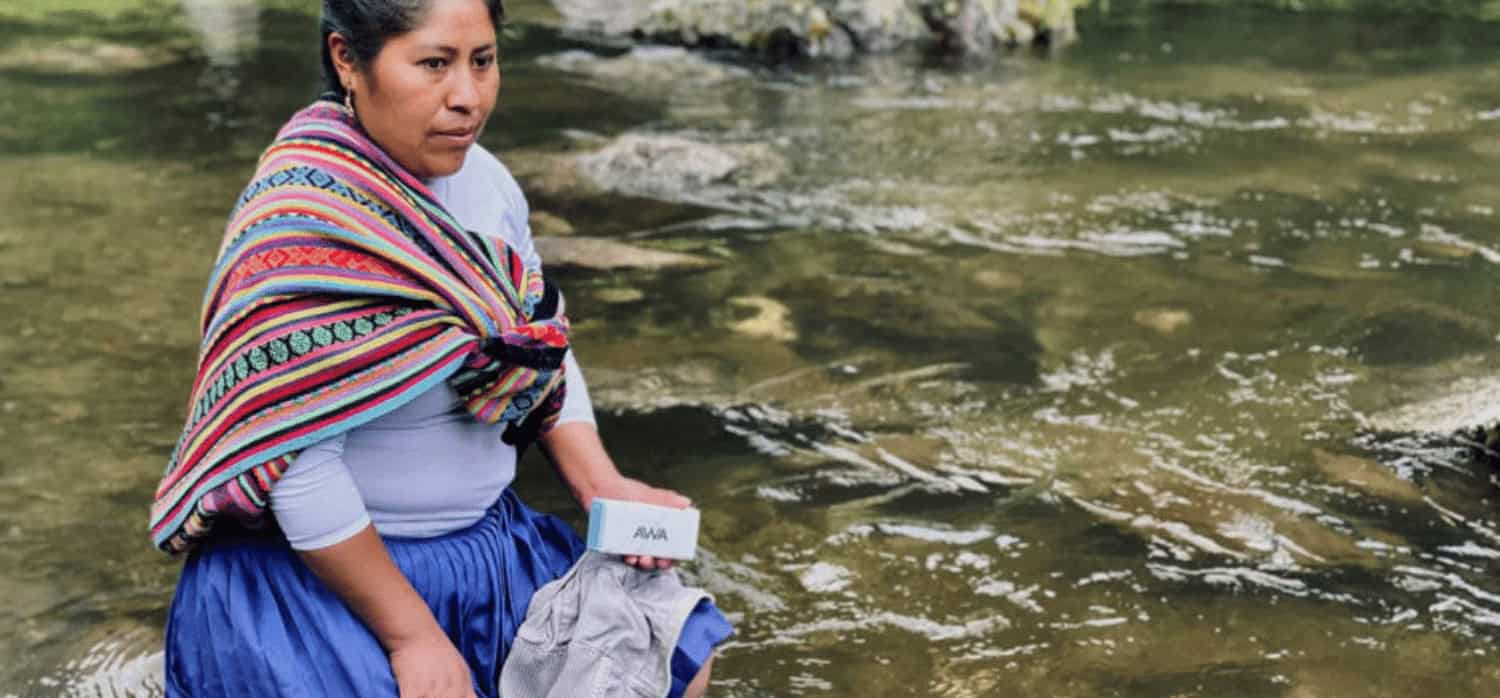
pixel 603 630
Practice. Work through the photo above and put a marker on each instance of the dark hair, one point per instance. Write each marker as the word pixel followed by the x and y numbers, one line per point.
pixel 368 24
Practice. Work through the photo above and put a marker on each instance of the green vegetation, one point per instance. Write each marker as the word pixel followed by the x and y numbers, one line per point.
pixel 37 9
pixel 112 9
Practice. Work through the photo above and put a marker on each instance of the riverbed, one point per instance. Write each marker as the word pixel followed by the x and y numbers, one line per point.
pixel 1050 373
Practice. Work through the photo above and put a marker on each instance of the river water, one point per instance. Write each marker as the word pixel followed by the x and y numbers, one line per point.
pixel 1039 375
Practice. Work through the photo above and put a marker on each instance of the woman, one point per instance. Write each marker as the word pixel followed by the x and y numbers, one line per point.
pixel 368 371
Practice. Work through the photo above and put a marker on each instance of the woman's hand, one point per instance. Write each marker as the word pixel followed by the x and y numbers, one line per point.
pixel 430 667
pixel 633 490
pixel 577 453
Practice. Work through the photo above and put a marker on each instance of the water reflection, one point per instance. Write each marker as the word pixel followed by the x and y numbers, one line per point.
pixel 228 34
pixel 227 30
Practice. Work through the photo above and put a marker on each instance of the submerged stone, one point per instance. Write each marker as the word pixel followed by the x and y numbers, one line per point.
pixel 1366 475
pixel 607 255
pixel 544 224
pixel 1420 335
pixel 620 295
pixel 81 56
pixel 771 319
pixel 999 280
pixel 824 577
pixel 1163 320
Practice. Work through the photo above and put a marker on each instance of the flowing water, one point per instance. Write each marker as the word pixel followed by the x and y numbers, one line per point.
pixel 1040 375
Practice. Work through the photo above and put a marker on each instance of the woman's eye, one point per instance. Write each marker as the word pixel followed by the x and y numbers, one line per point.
pixel 483 61
pixel 435 63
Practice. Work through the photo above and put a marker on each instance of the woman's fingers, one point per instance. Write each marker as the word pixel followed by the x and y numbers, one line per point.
pixel 675 499
pixel 648 563
pixel 667 498
pixel 630 489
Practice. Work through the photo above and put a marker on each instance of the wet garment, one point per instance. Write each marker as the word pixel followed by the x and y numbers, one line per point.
pixel 342 291
pixel 250 619
pixel 609 630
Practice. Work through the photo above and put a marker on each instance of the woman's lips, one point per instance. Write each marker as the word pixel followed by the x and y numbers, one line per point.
pixel 457 137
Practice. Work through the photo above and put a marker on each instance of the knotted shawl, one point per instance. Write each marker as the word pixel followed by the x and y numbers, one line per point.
pixel 342 290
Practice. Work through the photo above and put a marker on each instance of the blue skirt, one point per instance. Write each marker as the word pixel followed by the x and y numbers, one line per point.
pixel 250 619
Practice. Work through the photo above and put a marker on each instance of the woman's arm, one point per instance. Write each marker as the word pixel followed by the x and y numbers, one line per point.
pixel 319 508
pixel 360 571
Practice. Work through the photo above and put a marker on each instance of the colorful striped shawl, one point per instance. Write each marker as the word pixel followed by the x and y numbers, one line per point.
pixel 343 290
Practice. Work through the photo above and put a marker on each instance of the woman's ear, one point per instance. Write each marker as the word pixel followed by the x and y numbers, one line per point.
pixel 342 56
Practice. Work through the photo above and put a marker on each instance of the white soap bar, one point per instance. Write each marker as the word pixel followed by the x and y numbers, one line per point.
pixel 633 528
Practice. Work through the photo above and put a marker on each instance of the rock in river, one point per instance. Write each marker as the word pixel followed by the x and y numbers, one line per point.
pixel 667 166
pixel 836 28
pixel 601 254
pixel 544 224
pixel 80 56
pixel 660 66
pixel 1461 406
pixel 771 319
pixel 1163 320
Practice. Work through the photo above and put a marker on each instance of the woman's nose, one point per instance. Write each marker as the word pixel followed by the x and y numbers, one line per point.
pixel 463 95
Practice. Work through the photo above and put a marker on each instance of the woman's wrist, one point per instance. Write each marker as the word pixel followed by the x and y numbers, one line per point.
pixel 401 639
pixel 601 482
pixel 592 481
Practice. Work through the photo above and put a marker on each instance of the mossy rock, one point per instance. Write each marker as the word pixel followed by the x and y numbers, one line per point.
pixel 782 29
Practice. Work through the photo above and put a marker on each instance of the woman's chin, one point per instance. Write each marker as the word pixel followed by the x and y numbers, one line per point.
pixel 444 165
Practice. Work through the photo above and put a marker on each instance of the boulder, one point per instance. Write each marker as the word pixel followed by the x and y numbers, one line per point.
pixel 658 66
pixel 675 167
pixel 829 28
pixel 549 173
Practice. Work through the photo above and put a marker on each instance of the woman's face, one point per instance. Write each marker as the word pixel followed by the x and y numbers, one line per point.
pixel 427 94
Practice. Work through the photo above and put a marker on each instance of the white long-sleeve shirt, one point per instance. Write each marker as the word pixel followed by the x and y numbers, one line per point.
pixel 428 467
